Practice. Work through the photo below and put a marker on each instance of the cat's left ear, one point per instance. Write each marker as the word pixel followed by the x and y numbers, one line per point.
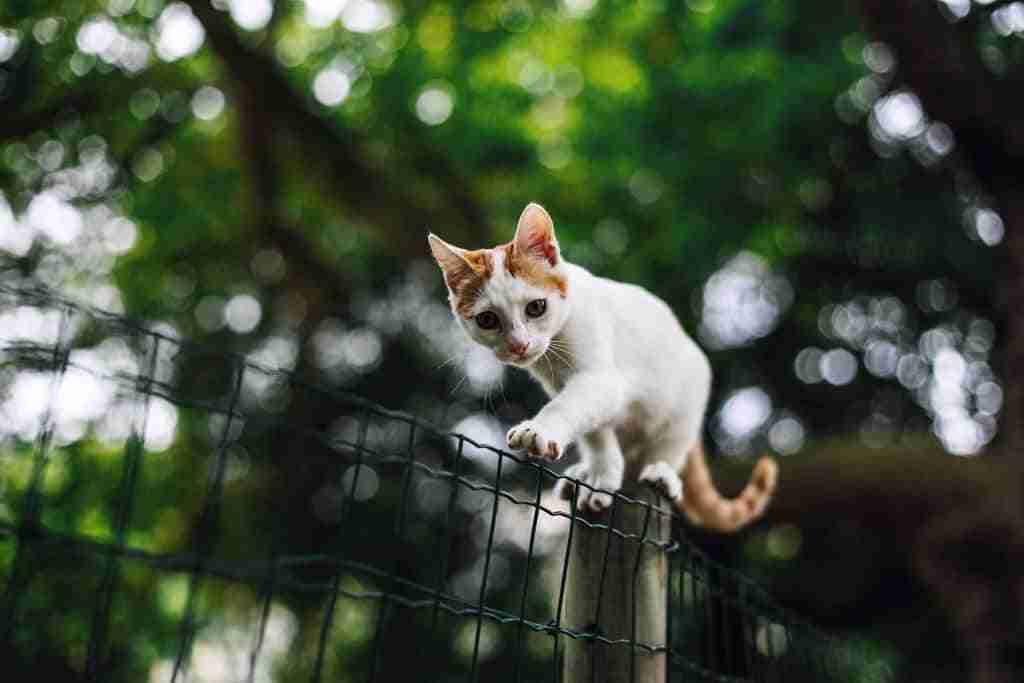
pixel 458 265
pixel 535 235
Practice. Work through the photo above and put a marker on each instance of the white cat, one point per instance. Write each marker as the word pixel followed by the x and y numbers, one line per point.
pixel 627 384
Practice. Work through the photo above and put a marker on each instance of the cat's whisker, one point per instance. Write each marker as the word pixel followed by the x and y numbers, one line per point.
pixel 458 384
pixel 560 344
pixel 448 361
pixel 551 369
pixel 570 358
pixel 561 347
pixel 565 352
pixel 552 352
pixel 562 355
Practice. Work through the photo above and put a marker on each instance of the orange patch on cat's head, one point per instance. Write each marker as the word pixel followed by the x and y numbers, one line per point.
pixel 531 269
pixel 466 288
pixel 465 272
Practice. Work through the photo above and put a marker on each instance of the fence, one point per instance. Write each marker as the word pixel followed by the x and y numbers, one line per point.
pixel 174 512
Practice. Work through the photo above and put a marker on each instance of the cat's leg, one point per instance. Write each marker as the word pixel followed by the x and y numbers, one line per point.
pixel 588 401
pixel 601 466
pixel 665 459
pixel 662 478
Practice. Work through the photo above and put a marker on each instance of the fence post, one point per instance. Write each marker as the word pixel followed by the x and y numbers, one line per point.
pixel 618 588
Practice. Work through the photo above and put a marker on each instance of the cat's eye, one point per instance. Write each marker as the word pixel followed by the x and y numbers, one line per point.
pixel 536 308
pixel 488 320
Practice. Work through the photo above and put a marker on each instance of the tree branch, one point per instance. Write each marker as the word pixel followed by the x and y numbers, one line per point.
pixel 323 282
pixel 82 100
pixel 377 196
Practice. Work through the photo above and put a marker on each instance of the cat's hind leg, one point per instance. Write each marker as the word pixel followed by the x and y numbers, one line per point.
pixel 664 461
pixel 600 469
pixel 661 477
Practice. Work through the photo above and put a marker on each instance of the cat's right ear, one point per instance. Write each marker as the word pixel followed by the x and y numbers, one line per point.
pixel 452 261
pixel 535 235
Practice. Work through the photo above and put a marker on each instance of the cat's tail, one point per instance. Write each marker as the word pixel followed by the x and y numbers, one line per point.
pixel 704 506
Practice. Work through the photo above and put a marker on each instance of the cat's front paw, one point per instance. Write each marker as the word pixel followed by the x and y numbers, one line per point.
pixel 537 440
pixel 596 495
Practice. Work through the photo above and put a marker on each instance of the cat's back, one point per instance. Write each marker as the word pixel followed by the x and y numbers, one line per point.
pixel 629 306
pixel 644 326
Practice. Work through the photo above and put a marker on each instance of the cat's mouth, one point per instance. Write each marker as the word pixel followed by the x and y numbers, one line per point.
pixel 523 361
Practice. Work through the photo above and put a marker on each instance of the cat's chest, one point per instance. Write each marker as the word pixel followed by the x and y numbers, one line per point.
pixel 552 372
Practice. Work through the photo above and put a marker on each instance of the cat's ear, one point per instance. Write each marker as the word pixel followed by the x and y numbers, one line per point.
pixel 535 235
pixel 454 264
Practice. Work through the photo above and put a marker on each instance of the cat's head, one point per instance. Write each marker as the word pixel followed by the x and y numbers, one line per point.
pixel 513 298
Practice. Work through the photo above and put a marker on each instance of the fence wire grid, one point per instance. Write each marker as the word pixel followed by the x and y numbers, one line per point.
pixel 172 512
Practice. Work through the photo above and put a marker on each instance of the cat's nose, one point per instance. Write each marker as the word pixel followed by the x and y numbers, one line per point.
pixel 518 347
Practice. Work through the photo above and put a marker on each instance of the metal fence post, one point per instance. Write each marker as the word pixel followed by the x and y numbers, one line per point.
pixel 617 590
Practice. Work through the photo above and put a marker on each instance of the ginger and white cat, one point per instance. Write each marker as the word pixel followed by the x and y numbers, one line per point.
pixel 626 383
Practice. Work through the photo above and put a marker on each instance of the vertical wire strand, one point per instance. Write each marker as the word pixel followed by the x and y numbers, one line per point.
pixel 729 614
pixel 785 670
pixel 126 494
pixel 487 567
pixel 809 662
pixel 636 574
pixel 710 623
pixel 766 659
pixel 442 559
pixel 565 575
pixel 669 617
pixel 683 562
pixel 332 603
pixel 748 630
pixel 31 505
pixel 386 608
pixel 207 527
pixel 526 577
pixel 604 571
pixel 268 597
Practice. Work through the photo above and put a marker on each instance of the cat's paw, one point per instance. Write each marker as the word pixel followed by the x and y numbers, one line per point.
pixel 662 478
pixel 537 440
pixel 587 498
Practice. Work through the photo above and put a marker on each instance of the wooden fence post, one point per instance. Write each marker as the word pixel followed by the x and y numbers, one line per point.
pixel 617 587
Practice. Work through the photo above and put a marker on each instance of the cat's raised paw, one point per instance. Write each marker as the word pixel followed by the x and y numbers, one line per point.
pixel 587 498
pixel 662 478
pixel 535 440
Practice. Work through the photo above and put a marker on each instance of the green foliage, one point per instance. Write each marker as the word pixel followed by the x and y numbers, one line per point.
pixel 299 164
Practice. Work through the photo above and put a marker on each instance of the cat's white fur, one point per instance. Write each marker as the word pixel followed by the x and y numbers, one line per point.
pixel 626 382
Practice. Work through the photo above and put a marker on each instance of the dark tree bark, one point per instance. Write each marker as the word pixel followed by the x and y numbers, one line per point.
pixel 386 202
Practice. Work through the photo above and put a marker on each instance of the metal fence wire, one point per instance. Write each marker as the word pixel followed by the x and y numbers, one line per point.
pixel 172 512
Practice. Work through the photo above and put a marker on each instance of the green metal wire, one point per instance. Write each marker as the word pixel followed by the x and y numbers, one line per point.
pixel 717 616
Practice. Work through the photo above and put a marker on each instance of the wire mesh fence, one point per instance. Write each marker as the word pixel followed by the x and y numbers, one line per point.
pixel 172 512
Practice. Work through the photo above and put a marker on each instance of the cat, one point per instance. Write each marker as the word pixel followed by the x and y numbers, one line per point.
pixel 625 381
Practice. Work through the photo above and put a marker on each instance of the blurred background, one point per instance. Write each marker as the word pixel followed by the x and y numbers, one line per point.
pixel 827 194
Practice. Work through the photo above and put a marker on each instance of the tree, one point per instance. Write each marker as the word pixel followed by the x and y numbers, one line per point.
pixel 821 193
